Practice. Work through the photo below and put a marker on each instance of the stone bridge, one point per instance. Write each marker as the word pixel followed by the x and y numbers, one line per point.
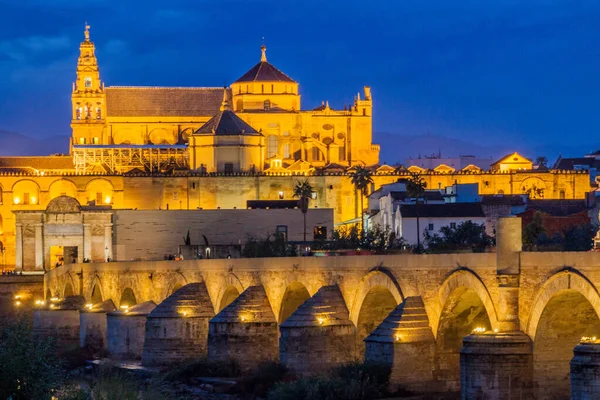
pixel 412 311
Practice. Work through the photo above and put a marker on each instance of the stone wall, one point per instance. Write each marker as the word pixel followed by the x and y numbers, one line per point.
pixel 29 289
pixel 164 231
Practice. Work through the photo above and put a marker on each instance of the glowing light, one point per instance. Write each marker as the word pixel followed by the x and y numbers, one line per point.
pixel 107 200
pixel 17 200
pixel 51 306
pixel 243 319
pixel 321 320
pixel 17 303
pixel 124 307
pixel 496 330
pixel 588 339
pixel 397 338
pixel 33 199
pixel 17 297
pixel 40 302
pixel 89 306
pixel 479 329
pixel 54 299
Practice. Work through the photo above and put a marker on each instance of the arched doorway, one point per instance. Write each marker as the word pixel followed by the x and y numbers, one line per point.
pixel 377 305
pixel 127 298
pixel 462 312
pixel 231 293
pixel 295 294
pixel 567 317
pixel 96 295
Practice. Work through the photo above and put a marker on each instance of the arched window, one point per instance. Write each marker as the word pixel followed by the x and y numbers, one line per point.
pixel 1 225
pixel 272 88
pixel 78 113
pixel 86 111
pixel 500 191
pixel 98 113
pixel 271 146
pixel 87 82
pixel 267 105
pixel 262 88
pixel 561 194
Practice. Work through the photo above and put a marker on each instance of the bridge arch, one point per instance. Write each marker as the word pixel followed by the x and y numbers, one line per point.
pixel 376 278
pixel 69 288
pixel 464 279
pixel 96 293
pixel 231 289
pixel 567 279
pixel 464 304
pixel 564 310
pixel 128 297
pixel 294 295
pixel 177 283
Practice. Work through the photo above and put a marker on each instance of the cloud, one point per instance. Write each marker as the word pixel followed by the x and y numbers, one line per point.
pixel 24 48
pixel 115 46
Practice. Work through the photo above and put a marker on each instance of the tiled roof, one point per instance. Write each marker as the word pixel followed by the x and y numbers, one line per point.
pixel 557 208
pixel 162 101
pixel 457 210
pixel 39 163
pixel 226 123
pixel 264 72
pixel 570 163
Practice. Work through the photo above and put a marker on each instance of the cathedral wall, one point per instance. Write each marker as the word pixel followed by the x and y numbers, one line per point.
pixel 156 130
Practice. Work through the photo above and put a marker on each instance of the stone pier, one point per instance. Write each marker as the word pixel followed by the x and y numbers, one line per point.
pixel 92 323
pixel 60 320
pixel 245 330
pixel 405 342
pixel 125 331
pixel 177 330
pixel 585 372
pixel 496 367
pixel 319 334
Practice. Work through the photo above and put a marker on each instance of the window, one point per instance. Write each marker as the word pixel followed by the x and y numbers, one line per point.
pixel 267 105
pixel 561 194
pixel 342 153
pixel 313 195
pixel 364 112
pixel 453 225
pixel 87 82
pixel 320 232
pixel 501 191
pixel 81 140
pixel 430 227
pixel 98 113
pixel 280 195
pixel 272 88
pixel 86 112
pixel 175 195
pixel 283 231
pixel 271 146
pixel 95 140
pixel 98 198
pixel 25 198
pixel 262 88
pixel 286 150
pixel 228 168
pixel 78 113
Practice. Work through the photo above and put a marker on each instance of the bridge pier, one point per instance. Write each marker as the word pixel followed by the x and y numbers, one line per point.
pixel 125 331
pixel 60 320
pixel 177 329
pixel 92 326
pixel 245 330
pixel 496 366
pixel 585 371
pixel 405 342
pixel 319 334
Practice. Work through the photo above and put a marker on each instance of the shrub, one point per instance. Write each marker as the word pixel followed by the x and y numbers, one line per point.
pixel 202 368
pixel 260 381
pixel 372 378
pixel 29 368
pixel 113 383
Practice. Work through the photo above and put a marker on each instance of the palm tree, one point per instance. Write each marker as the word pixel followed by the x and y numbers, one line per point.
pixel 362 179
pixel 416 188
pixel 303 190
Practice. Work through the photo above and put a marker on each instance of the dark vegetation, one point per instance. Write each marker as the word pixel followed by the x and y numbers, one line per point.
pixel 577 238
pixel 466 236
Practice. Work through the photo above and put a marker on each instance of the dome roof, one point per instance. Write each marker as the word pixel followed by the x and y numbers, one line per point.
pixel 226 123
pixel 264 72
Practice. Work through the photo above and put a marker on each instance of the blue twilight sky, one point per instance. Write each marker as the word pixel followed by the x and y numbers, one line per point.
pixel 494 73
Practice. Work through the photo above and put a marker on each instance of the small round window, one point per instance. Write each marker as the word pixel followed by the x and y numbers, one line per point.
pixel 87 82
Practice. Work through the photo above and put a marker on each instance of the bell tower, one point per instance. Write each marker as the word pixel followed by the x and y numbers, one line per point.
pixel 88 98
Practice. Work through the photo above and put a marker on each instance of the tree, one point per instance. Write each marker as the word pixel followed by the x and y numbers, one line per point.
pixel 541 162
pixel 362 179
pixel 534 230
pixel 464 236
pixel 303 190
pixel 29 368
pixel 416 188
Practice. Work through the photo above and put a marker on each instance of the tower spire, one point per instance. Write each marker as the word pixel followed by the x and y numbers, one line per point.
pixel 87 32
pixel 225 102
pixel 263 48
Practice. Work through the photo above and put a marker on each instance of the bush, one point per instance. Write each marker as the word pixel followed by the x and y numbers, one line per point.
pixel 113 383
pixel 29 368
pixel 260 381
pixel 202 368
pixel 356 381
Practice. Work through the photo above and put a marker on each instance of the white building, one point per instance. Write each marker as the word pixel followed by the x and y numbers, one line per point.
pixel 434 216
